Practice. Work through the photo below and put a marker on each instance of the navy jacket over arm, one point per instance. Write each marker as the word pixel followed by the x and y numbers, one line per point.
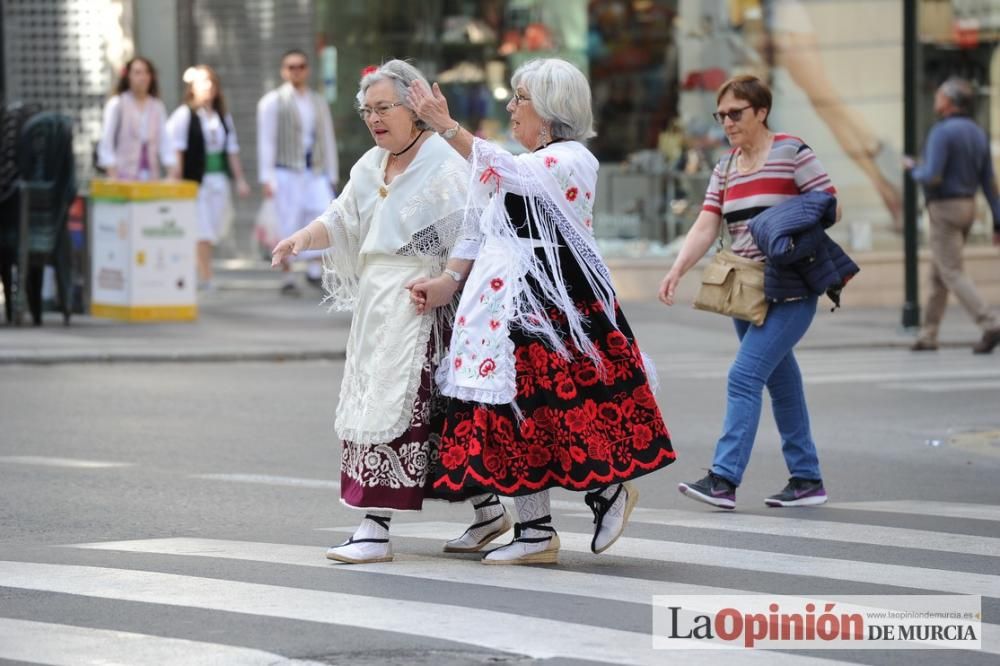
pixel 801 259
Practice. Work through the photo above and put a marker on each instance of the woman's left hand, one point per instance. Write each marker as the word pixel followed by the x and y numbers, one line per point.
pixel 429 293
pixel 430 105
pixel 242 188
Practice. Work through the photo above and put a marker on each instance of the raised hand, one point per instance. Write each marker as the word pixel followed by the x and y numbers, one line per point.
pixel 430 105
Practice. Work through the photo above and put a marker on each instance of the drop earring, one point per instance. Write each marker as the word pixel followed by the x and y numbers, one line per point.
pixel 544 138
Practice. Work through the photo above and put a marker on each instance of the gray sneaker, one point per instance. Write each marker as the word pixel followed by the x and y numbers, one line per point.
pixel 799 492
pixel 713 489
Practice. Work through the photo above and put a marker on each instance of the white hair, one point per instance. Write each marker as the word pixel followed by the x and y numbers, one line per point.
pixel 560 94
pixel 402 74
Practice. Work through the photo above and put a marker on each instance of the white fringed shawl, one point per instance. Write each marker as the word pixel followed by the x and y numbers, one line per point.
pixel 558 184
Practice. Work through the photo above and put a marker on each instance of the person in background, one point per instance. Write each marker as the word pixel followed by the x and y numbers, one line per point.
pixel 296 157
pixel 764 169
pixel 134 144
pixel 207 152
pixel 956 163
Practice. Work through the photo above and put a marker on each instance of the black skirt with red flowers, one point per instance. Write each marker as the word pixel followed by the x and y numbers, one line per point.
pixel 582 427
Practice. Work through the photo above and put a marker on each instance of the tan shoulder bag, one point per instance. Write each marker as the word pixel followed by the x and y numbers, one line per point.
pixel 732 285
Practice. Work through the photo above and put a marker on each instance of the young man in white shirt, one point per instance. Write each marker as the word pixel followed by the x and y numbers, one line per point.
pixel 297 156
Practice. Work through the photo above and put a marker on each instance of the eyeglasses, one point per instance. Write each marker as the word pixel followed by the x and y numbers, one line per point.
pixel 518 98
pixel 382 110
pixel 297 66
pixel 733 115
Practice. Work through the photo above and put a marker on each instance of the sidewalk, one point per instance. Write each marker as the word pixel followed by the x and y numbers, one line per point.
pixel 247 319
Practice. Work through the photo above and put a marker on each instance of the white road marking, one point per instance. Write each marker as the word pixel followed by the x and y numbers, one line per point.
pixel 667 551
pixel 67 645
pixel 535 637
pixel 874 535
pixel 48 461
pixel 927 508
pixel 269 480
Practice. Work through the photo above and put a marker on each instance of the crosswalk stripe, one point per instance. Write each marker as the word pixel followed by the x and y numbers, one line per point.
pixel 874 535
pixel 535 637
pixel 67 645
pixel 448 569
pixel 50 461
pixel 945 387
pixel 846 376
pixel 967 510
pixel 666 550
pixel 270 480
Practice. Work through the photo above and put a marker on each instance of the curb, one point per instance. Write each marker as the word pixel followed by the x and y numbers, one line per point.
pixel 178 357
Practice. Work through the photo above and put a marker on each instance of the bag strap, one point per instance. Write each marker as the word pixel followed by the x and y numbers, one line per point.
pixel 722 196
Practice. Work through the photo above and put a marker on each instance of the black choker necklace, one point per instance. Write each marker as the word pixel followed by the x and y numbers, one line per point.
pixel 411 144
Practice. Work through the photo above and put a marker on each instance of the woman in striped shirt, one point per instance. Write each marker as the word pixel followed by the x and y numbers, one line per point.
pixel 763 169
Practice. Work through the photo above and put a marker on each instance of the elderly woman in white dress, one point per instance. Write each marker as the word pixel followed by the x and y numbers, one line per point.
pixel 399 219
pixel 549 387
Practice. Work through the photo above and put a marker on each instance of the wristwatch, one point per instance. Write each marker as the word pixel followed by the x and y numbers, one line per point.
pixel 454 275
pixel 449 134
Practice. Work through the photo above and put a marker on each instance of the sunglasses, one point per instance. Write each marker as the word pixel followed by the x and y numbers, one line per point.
pixel 733 115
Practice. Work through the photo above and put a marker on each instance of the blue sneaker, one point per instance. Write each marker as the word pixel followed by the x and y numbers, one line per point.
pixel 799 492
pixel 713 489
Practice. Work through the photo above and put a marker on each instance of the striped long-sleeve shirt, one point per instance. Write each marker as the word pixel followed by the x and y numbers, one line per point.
pixel 791 168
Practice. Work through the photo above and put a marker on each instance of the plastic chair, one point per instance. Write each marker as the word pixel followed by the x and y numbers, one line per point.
pixel 47 185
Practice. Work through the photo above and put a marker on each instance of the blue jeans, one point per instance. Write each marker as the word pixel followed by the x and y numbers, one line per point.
pixel 765 357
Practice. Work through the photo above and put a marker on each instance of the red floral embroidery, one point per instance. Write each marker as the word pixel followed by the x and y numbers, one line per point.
pixel 641 436
pixel 453 456
pixel 588 195
pixel 583 425
pixel 538 455
pixel 551 161
pixel 496 284
pixel 458 362
pixel 571 194
pixel 463 429
pixel 585 375
pixel 576 420
pixel 644 396
pixel 461 320
pixel 494 324
pixel 617 343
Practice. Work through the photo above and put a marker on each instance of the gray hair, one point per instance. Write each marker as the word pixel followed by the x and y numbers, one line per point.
pixel 561 96
pixel 960 92
pixel 402 74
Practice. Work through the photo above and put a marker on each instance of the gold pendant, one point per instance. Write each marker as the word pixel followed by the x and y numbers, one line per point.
pixel 383 191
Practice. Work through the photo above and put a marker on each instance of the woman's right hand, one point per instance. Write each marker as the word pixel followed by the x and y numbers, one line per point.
pixel 289 247
pixel 668 287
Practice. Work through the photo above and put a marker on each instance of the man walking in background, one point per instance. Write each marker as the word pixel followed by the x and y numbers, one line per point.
pixel 956 162
pixel 297 156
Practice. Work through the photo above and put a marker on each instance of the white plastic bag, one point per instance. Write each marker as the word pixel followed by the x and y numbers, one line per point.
pixel 265 229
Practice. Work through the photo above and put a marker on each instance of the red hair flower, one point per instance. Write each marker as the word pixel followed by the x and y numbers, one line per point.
pixel 370 69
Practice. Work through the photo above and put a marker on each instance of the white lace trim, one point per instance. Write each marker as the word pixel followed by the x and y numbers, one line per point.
pixel 405 416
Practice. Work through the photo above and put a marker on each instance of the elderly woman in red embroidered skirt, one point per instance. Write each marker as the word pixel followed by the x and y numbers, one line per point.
pixel 548 386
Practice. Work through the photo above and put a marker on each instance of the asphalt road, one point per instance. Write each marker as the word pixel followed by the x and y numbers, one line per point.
pixel 179 512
